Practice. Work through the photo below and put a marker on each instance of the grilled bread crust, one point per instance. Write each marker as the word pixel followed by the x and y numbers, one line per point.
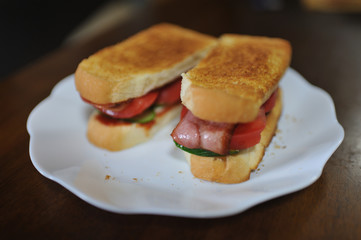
pixel 116 137
pixel 236 168
pixel 235 78
pixel 143 62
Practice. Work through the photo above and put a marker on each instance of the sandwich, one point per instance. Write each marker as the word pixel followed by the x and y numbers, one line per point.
pixel 232 103
pixel 134 85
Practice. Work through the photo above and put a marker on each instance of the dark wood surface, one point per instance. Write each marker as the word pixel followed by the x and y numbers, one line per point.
pixel 326 51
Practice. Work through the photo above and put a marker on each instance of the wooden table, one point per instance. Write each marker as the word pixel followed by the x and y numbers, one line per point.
pixel 326 51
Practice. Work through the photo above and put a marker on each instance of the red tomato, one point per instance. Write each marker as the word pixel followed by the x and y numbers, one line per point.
pixel 246 135
pixel 270 103
pixel 129 108
pixel 170 93
pixel 184 112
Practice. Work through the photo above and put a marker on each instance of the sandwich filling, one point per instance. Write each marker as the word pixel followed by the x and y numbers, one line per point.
pixel 207 138
pixel 142 109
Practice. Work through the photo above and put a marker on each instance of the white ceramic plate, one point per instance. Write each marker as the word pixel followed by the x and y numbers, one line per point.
pixel 154 178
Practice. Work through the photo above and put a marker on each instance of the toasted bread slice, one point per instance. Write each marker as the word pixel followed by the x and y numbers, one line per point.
pixel 237 76
pixel 236 168
pixel 141 63
pixel 115 136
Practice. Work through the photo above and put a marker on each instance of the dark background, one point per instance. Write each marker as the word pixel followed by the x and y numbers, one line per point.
pixel 31 29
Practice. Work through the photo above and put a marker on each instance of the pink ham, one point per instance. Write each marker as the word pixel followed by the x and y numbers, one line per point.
pixel 186 132
pixel 193 132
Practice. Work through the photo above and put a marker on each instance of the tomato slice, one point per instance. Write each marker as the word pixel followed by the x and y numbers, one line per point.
pixel 128 109
pixel 170 93
pixel 183 112
pixel 271 102
pixel 246 135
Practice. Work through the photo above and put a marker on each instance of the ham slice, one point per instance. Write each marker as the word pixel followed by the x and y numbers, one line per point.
pixel 192 132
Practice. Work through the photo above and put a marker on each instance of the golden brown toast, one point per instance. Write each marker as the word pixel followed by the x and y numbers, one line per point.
pixel 123 135
pixel 143 62
pixel 237 76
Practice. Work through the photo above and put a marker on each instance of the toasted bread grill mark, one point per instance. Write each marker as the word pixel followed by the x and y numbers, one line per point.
pixel 248 67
